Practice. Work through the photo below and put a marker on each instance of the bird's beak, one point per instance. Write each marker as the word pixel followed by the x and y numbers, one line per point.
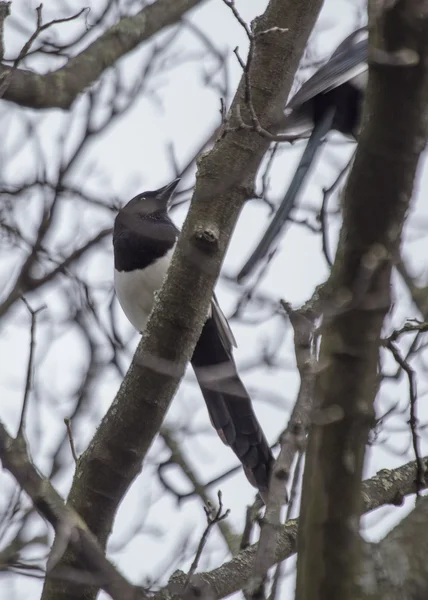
pixel 166 193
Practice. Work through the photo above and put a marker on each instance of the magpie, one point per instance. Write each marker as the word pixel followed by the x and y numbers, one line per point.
pixel 144 238
pixel 329 100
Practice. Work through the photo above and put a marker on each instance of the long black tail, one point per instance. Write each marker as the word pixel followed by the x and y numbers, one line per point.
pixel 229 406
pixel 318 133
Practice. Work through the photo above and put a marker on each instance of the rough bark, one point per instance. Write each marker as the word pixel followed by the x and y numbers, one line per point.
pixel 377 196
pixel 386 487
pixel 114 457
pixel 396 568
pixel 68 525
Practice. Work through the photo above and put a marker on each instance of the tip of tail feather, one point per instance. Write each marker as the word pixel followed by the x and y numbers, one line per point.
pixel 260 478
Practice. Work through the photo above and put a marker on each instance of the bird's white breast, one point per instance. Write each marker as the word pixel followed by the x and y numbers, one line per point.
pixel 135 290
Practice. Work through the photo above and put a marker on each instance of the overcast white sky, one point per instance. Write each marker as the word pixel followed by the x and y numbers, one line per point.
pixel 132 156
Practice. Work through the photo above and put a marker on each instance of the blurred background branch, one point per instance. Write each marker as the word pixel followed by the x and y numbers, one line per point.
pixel 118 96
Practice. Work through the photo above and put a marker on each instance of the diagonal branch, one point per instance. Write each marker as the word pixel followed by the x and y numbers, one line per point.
pixel 29 377
pixel 67 523
pixel 114 457
pixel 25 283
pixel 386 487
pixel 177 457
pixel 61 87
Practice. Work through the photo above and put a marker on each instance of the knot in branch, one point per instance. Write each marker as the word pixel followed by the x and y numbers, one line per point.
pixel 206 238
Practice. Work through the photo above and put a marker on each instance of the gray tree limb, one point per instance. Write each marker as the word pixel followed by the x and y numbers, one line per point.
pixel 27 283
pixel 61 87
pixel 177 457
pixel 292 441
pixel 378 194
pixel 386 487
pixel 396 568
pixel 225 177
pixel 68 525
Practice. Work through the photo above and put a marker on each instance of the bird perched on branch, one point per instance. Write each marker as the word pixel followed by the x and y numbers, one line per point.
pixel 329 100
pixel 144 238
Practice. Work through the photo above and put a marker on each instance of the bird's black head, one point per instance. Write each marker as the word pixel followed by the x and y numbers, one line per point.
pixel 143 231
pixel 154 203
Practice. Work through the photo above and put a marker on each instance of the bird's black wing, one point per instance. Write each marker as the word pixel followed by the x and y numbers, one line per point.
pixel 228 402
pixel 348 61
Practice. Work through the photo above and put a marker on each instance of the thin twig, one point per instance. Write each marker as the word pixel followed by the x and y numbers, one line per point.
pixel 252 516
pixel 212 519
pixel 26 47
pixel 199 489
pixel 231 5
pixel 413 421
pixel 29 377
pixel 39 28
pixel 70 439
pixel 412 325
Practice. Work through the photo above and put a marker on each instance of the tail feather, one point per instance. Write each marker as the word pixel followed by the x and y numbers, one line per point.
pixel 288 202
pixel 229 406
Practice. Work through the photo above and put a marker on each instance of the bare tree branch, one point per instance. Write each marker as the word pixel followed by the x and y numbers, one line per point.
pixel 293 440
pixel 378 194
pixel 413 421
pixel 386 487
pixel 199 489
pixel 67 523
pixel 61 87
pixel 29 377
pixel 396 567
pixel 225 174
pixel 26 283
pixel 213 517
